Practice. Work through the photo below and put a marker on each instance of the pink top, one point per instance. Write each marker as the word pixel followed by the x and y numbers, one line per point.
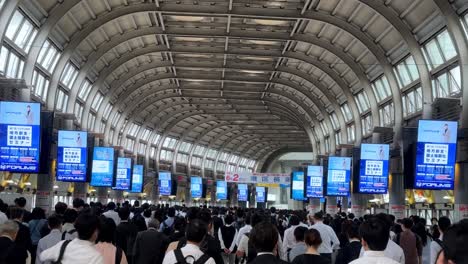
pixel 107 251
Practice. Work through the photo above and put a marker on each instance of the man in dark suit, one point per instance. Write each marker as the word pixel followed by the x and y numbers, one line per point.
pixel 150 245
pixel 8 232
pixel 264 238
pixel 23 242
pixel 126 233
pixel 352 250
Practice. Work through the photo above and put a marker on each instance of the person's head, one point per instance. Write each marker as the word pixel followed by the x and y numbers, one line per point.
pixel 78 203
pixel 54 222
pixel 16 213
pixel 248 219
pixel 351 216
pixel 318 217
pixel 454 244
pixel 87 226
pixel 353 231
pixel 196 231
pixel 255 219
pixel 111 206
pixel 273 210
pixel 407 224
pixel 294 220
pixel 147 213
pixel 374 234
pixel 299 233
pixel 153 223
pixel 444 224
pixel 264 237
pixel 124 213
pixel 106 230
pixel 312 238
pixel 228 219
pixel 38 213
pixel 179 223
pixel 136 204
pixel 70 216
pixel 20 202
pixel 60 208
pixel 171 212
pixel 9 228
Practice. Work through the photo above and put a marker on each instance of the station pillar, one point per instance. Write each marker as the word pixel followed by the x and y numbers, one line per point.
pixel 461 178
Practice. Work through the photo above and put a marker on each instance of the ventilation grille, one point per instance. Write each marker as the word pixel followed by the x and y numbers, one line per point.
pixel 10 89
pixel 446 109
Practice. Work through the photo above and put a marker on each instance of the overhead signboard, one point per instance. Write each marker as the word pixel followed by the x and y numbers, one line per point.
pixel 314 183
pixel 102 170
pixel 297 186
pixel 373 169
pixel 123 178
pixel 196 187
pixel 165 183
pixel 339 174
pixel 221 190
pixel 72 156
pixel 137 179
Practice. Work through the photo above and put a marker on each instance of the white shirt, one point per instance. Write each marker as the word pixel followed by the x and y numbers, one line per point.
pixel 113 215
pixel 435 249
pixel 77 252
pixel 188 250
pixel 328 237
pixel 374 257
pixel 3 218
pixel 244 230
pixel 393 251
pixel 47 242
pixel 221 240
pixel 289 239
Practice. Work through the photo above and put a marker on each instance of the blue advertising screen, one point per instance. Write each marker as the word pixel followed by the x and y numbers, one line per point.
pixel 102 170
pixel 71 156
pixel 435 155
pixel 124 174
pixel 373 169
pixel 221 190
pixel 196 187
pixel 314 183
pixel 19 136
pixel 260 194
pixel 165 183
pixel 137 179
pixel 297 187
pixel 339 174
pixel 242 192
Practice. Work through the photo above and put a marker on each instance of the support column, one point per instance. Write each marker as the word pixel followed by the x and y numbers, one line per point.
pixel 344 204
pixel 155 190
pixel 332 207
pixel 359 204
pixel 397 195
pixel 80 190
pixel 461 179
pixel 102 194
pixel 314 205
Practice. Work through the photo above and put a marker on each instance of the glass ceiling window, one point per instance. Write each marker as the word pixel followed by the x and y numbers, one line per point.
pixel 381 88
pixel 212 154
pixel 69 75
pixel 447 83
pixel 209 164
pixel 199 150
pixel 251 164
pixel 62 101
pixel 406 72
pixel 78 111
pixel 84 90
pixel 166 155
pixel 223 156
pixel 351 133
pixel 327 144
pixel 234 159
pixel 412 102
pixel 2 2
pixel 221 166
pixel 346 112
pixel 324 127
pixel 334 121
pixel 169 143
pixel 21 31
pixel 116 119
pixel 366 124
pixel 152 152
pixel 48 57
pixel 338 138
pixel 107 111
pixel 439 50
pixel 156 138
pixel 185 147
pixel 130 144
pixel 11 64
pixel 91 122
pixel 196 161
pixel 97 101
pixel 142 148
pixel 182 158
pixel 134 128
pixel 145 135
pixel 40 85
pixel 362 102
pixel 387 115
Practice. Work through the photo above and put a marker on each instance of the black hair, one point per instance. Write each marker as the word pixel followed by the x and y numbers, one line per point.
pixel 353 231
pixel 248 219
pixel 205 216
pixel 318 216
pixel 455 241
pixel 86 224
pixel 171 212
pixel 407 223
pixel 69 216
pixel 21 202
pixel 299 233
pixel 294 220
pixel 375 233
pixel 136 203
pixel 179 223
pixel 111 206
pixel 78 202
pixel 38 213
pixel 54 221
pixel 444 223
pixel 312 238
pixel 351 216
pixel 264 237
pixel 147 213
pixel 60 208
pixel 15 212
pixel 124 212
pixel 256 218
pixel 106 230
pixel 228 219
pixel 196 230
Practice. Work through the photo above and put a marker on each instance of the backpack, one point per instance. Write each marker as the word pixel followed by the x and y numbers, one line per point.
pixel 168 230
pixel 203 244
pixel 62 251
pixel 182 260
pixel 69 232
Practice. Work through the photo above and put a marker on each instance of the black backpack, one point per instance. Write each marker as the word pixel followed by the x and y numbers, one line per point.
pixel 168 230
pixel 62 251
pixel 182 260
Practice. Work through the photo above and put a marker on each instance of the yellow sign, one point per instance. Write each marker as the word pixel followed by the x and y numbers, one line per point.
pixel 269 185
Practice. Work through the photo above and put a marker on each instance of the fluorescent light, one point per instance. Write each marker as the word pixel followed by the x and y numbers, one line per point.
pixel 27 183
pixel 56 187
pixel 447 197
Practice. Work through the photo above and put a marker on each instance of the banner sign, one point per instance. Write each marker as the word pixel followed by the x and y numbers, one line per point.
pixel 252 177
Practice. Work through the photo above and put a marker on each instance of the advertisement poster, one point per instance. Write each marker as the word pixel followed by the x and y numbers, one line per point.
pixel 260 194
pixel 137 179
pixel 436 155
pixel 243 192
pixel 71 156
pixel 339 174
pixel 314 184
pixel 196 187
pixel 19 136
pixel 373 171
pixel 124 174
pixel 102 170
pixel 165 183
pixel 297 188
pixel 221 190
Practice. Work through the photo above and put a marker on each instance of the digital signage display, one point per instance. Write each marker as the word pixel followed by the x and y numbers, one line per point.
pixel 436 155
pixel 102 170
pixel 297 187
pixel 165 183
pixel 260 194
pixel 137 179
pixel 196 187
pixel 221 190
pixel 123 175
pixel 72 156
pixel 314 182
pixel 373 169
pixel 339 174
pixel 19 136
pixel 242 192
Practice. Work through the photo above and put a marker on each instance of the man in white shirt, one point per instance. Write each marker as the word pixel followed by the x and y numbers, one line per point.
pixel 375 237
pixel 55 236
pixel 393 250
pixel 196 231
pixel 330 241
pixel 80 250
pixel 244 230
pixel 112 214
pixel 443 224
pixel 289 240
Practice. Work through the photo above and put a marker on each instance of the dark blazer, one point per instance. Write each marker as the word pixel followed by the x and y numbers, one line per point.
pixel 22 243
pixel 349 253
pixel 125 238
pixel 150 247
pixel 267 258
pixel 7 251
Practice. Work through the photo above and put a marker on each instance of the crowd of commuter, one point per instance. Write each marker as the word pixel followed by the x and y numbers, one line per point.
pixel 145 234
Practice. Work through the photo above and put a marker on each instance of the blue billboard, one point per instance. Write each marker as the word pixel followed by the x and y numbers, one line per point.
pixel 435 155
pixel 196 187
pixel 221 190
pixel 314 183
pixel 260 190
pixel 242 192
pixel 137 179
pixel 165 183
pixel 71 156
pixel 102 170
pixel 297 186
pixel 19 136
pixel 339 174
pixel 123 175
pixel 373 169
